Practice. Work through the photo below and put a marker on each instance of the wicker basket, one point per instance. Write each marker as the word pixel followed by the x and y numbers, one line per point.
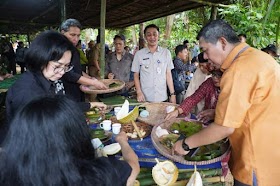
pixel 132 116
pixel 156 111
pixel 167 152
pixel 107 82
pixel 129 128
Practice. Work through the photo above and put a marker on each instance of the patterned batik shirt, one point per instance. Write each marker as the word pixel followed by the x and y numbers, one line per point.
pixel 207 91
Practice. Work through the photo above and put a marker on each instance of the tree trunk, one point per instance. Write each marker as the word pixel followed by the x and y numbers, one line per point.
pixel 214 11
pixel 141 36
pixel 168 26
pixel 134 36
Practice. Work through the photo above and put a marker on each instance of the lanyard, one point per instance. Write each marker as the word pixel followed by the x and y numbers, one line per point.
pixel 240 52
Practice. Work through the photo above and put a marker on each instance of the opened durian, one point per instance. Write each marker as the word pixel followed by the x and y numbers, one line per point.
pixel 165 173
pixel 124 110
pixel 195 179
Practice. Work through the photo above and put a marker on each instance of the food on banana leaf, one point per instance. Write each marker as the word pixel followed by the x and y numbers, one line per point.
pixel 187 128
pixel 112 85
pixel 168 140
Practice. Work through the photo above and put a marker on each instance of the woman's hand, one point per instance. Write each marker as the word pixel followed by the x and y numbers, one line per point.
pixel 121 137
pixel 172 114
pixel 206 115
pixel 98 84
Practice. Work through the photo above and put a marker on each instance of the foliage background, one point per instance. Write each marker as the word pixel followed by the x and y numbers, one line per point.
pixel 258 19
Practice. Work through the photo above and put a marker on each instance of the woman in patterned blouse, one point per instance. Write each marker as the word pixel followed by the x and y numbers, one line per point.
pixel 209 91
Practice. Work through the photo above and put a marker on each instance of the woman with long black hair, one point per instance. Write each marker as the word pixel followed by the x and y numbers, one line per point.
pixel 49 144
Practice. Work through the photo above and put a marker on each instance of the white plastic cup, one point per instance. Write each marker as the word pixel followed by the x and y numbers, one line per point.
pixel 116 128
pixel 116 110
pixel 106 124
pixel 96 143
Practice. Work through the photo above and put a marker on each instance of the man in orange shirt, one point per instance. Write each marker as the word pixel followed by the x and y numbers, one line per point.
pixel 247 110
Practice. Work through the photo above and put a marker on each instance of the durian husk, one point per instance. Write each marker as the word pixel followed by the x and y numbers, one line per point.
pixel 165 173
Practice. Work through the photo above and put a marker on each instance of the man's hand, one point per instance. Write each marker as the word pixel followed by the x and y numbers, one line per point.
pixel 206 115
pixel 121 137
pixel 173 99
pixel 98 84
pixel 111 76
pixel 178 149
pixel 172 114
pixel 140 97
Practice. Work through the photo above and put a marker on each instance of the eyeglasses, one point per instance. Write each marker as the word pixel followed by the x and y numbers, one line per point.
pixel 60 69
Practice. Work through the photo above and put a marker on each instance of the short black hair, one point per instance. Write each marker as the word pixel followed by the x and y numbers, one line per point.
pixel 242 35
pixel 216 29
pixel 151 26
pixel 46 47
pixel 185 42
pixel 65 25
pixel 121 37
pixel 179 48
pixel 201 58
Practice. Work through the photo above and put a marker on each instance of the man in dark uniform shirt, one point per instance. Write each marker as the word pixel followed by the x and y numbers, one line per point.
pixel 71 28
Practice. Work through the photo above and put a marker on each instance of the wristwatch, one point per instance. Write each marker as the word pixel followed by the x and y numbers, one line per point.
pixel 173 93
pixel 185 146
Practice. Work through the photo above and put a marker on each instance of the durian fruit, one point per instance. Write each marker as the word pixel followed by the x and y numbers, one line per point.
pixel 195 179
pixel 111 149
pixel 124 110
pixel 165 173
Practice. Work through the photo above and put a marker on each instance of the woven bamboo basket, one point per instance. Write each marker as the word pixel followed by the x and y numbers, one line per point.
pixel 156 111
pixel 107 82
pixel 180 159
pixel 129 128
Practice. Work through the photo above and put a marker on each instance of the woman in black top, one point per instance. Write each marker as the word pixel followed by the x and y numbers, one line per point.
pixel 49 144
pixel 47 60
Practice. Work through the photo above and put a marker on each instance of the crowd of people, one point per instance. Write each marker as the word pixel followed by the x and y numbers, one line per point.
pixel 234 89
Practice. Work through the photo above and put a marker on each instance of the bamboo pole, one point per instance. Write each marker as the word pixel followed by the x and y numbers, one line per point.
pixel 102 38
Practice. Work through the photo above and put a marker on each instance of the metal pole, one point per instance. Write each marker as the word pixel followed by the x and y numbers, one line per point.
pixel 102 38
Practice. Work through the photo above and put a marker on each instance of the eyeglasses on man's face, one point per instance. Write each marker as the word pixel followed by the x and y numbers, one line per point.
pixel 58 69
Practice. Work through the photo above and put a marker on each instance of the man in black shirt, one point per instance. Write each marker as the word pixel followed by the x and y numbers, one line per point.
pixel 71 28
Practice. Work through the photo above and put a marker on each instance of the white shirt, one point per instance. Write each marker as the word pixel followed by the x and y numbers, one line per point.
pixel 152 68
pixel 198 78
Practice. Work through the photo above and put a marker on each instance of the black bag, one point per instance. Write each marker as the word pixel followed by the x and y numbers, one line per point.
pixel 178 85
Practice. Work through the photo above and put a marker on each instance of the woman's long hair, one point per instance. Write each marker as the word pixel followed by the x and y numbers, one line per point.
pixel 45 139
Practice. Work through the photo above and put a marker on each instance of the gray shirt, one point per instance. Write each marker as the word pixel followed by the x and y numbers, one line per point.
pixel 121 69
pixel 152 68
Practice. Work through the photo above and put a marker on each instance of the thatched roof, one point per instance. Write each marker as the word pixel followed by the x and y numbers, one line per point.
pixel 21 16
